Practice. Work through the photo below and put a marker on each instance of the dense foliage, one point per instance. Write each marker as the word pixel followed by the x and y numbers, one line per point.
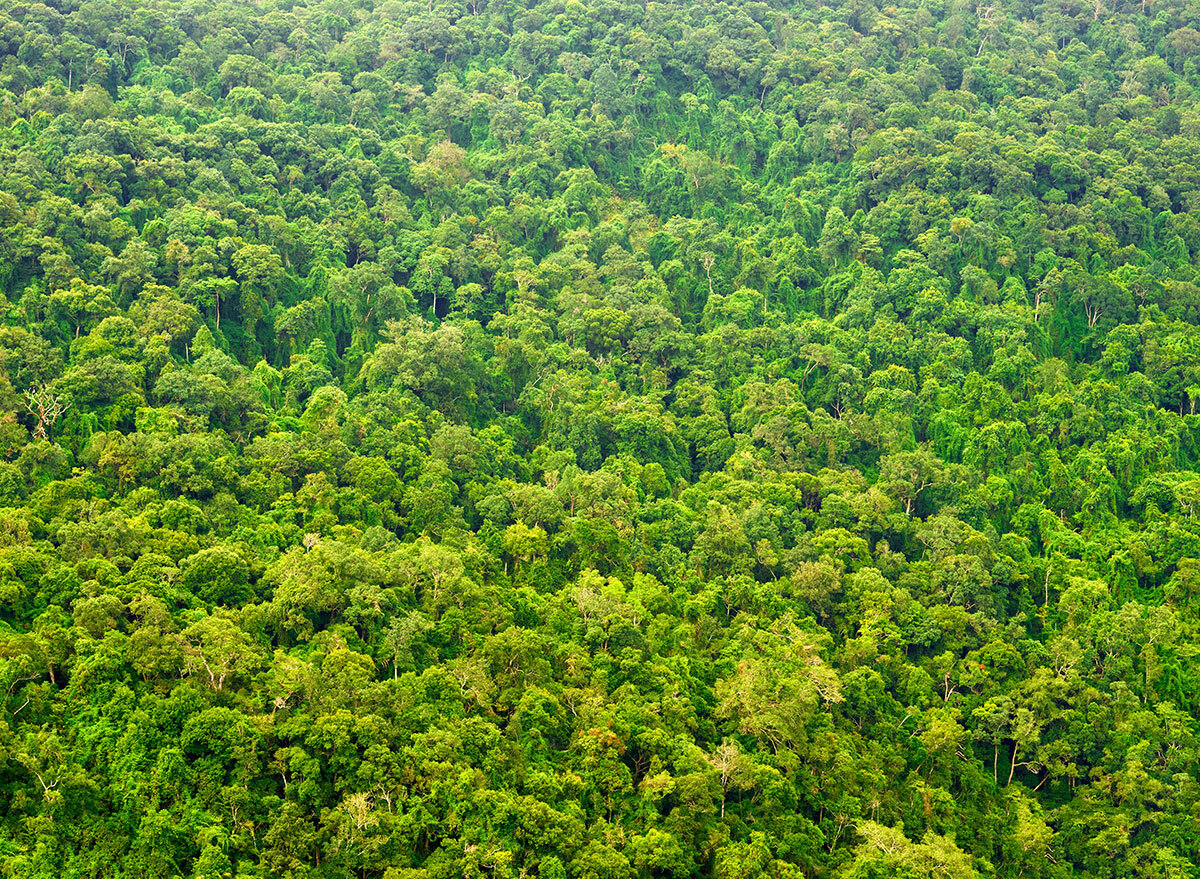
pixel 607 440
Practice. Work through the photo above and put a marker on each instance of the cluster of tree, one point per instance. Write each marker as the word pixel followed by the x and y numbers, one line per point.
pixel 599 441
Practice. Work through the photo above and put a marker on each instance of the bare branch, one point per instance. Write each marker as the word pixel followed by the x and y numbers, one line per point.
pixel 46 406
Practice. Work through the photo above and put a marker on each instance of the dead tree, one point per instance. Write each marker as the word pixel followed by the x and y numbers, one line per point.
pixel 46 406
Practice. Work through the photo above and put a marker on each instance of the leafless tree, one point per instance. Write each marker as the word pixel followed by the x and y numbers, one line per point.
pixel 46 406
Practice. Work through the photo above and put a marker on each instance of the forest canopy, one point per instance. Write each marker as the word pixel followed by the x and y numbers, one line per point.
pixel 607 440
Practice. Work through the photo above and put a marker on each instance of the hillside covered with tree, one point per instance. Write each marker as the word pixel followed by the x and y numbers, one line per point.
pixel 607 440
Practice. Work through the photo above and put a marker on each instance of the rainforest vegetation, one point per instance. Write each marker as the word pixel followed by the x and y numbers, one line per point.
pixel 606 440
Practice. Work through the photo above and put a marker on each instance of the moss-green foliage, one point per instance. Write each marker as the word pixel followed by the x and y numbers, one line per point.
pixel 599 440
